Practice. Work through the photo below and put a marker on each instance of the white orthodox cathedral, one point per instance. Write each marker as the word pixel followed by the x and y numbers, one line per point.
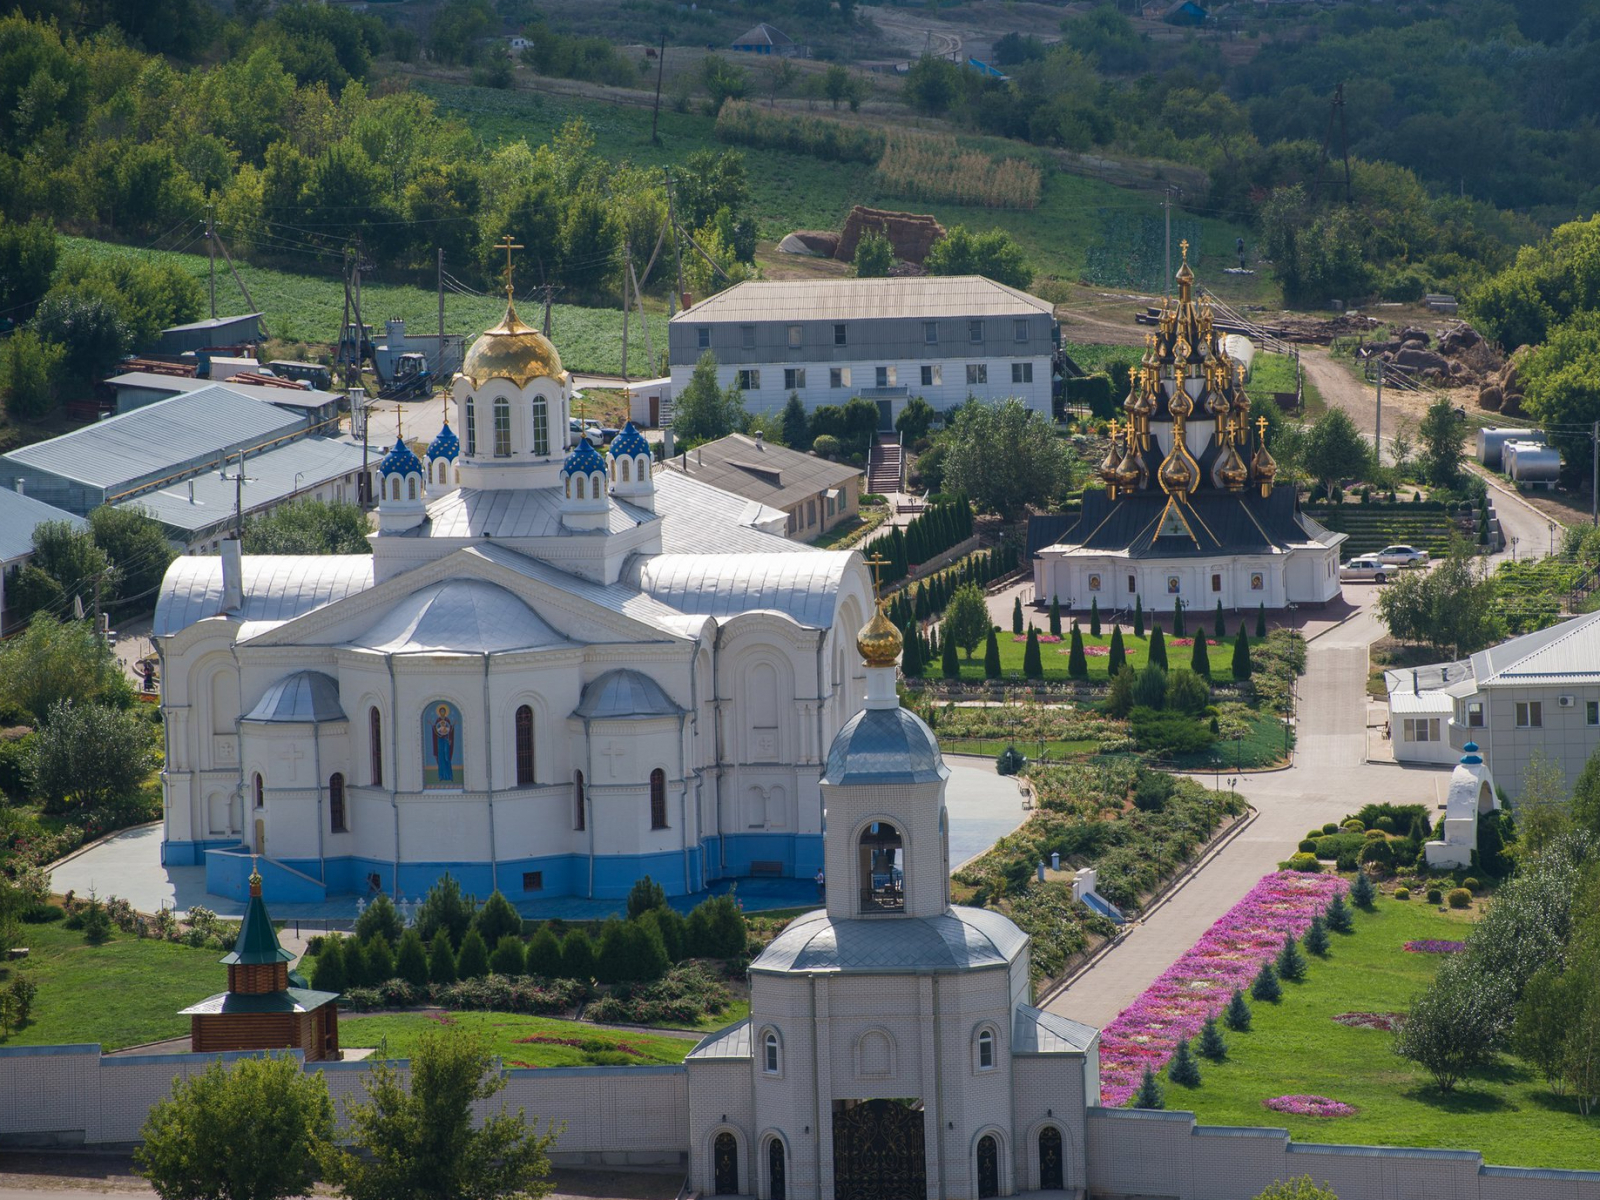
pixel 556 672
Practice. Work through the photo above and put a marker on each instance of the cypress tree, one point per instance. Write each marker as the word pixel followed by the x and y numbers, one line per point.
pixel 1158 648
pixel 991 656
pixel 1291 963
pixel 509 958
pixel 922 603
pixel 1217 627
pixel 1016 616
pixel 1094 616
pixel 1261 620
pixel 441 959
pixel 911 656
pixel 496 919
pixel 1032 666
pixel 1340 919
pixel 1077 663
pixel 949 665
pixel 1149 1094
pixel 1266 987
pixel 1238 1014
pixel 1138 616
pixel 380 960
pixel 1316 938
pixel 327 973
pixel 1184 1070
pixel 355 964
pixel 411 962
pixel 544 955
pixel 1117 657
pixel 1055 616
pixel 1241 656
pixel 577 956
pixel 473 961
pixel 1177 619
pixel 1200 659
pixel 1362 893
pixel 1212 1044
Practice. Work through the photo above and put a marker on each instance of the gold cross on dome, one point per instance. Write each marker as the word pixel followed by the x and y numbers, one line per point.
pixel 1184 246
pixel 877 562
pixel 1261 427
pixel 505 243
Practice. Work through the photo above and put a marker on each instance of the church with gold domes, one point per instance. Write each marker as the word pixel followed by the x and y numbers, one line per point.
pixel 557 670
pixel 1190 511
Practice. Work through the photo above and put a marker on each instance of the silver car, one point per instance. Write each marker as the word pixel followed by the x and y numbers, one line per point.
pixel 1365 570
pixel 1403 556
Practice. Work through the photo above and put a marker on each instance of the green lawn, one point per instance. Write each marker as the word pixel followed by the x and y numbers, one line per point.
pixel 1296 1048
pixel 1271 373
pixel 1054 655
pixel 122 993
pixel 738 1010
pixel 397 1033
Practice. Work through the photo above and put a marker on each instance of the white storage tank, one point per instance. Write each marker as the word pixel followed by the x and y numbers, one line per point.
pixel 1491 443
pixel 1242 350
pixel 1531 462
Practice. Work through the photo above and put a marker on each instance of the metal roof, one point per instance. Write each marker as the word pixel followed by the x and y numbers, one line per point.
pixel 927 297
pixel 292 1000
pixel 758 470
pixel 212 323
pixel 179 384
pixel 959 939
pixel 733 1042
pixel 161 437
pixel 615 597
pixel 1562 654
pixel 460 616
pixel 884 746
pixel 1034 1031
pixel 306 697
pixel 763 35
pixel 513 513
pixel 257 943
pixel 277 587
pixel 805 586
pixel 20 515
pixel 624 695
pixel 697 518
pixel 273 476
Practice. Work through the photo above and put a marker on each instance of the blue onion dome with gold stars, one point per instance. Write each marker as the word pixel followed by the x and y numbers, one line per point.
pixel 629 443
pixel 583 460
pixel 446 445
pixel 400 460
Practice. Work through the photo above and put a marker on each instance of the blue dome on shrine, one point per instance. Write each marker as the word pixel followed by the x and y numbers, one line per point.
pixel 446 445
pixel 629 442
pixel 400 460
pixel 583 460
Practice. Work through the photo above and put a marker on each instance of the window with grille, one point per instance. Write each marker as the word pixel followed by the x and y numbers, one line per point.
pixel 336 803
pixel 658 799
pixel 533 881
pixel 502 427
pixel 375 747
pixel 524 725
pixel 541 425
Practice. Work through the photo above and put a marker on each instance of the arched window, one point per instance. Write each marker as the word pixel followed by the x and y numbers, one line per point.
pixel 259 789
pixel 770 1062
pixel 524 746
pixel 502 427
pixel 375 746
pixel 472 430
pixel 411 487
pixel 569 487
pixel 879 860
pixel 579 820
pixel 986 1050
pixel 582 485
pixel 541 426
pixel 336 803
pixel 658 799
pixel 625 469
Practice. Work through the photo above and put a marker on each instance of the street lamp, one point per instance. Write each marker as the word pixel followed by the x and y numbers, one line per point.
pixel 1238 752
pixel 297 476
pixel 1233 781
pixel 1552 525
pixel 1514 540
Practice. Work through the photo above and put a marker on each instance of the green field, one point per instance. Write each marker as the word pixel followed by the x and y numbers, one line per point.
pixel 1295 1047
pixel 1054 655
pixel 397 1034
pixel 122 993
pixel 309 308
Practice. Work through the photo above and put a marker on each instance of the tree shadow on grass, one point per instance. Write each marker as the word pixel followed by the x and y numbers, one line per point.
pixel 1465 1100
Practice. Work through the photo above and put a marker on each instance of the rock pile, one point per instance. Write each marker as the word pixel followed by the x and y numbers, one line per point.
pixel 1502 392
pixel 1459 357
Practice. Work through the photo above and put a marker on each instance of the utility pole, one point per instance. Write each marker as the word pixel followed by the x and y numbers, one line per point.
pixel 677 251
pixel 438 366
pixel 238 479
pixel 1166 204
pixel 627 257
pixel 1377 429
pixel 211 256
pixel 549 290
pixel 661 65
pixel 1594 484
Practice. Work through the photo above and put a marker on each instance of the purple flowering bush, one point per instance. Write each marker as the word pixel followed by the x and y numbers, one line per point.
pixel 1434 946
pixel 1310 1106
pixel 1198 985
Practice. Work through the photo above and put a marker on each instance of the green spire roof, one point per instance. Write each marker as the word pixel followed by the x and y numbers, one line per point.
pixel 258 940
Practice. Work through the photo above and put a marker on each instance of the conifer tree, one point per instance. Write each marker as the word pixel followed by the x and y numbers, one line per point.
pixel 1212 1044
pixel 355 963
pixel 327 973
pixel 1238 1014
pixel 544 955
pixel 1261 620
pixel 1055 616
pixel 1362 893
pixel 577 956
pixel 911 653
pixel 411 961
pixel 1016 616
pixel 949 665
pixel 1266 987
pixel 1177 619
pixel 1200 658
pixel 441 959
pixel 1032 665
pixel 1340 918
pixel 496 919
pixel 1138 616
pixel 1316 938
pixel 1116 656
pixel 1149 1093
pixel 1158 648
pixel 380 960
pixel 1094 616
pixel 1217 627
pixel 1241 656
pixel 509 958
pixel 1291 963
pixel 991 656
pixel 1184 1070
pixel 922 603
pixel 473 961
pixel 1077 662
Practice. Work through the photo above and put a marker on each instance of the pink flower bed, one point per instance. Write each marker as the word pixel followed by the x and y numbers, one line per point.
pixel 1097 651
pixel 1047 639
pixel 1310 1106
pixel 1434 946
pixel 1199 984
pixel 1180 641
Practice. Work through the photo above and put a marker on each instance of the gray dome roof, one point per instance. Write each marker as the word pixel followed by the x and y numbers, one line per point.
pixel 461 616
pixel 304 697
pixel 884 745
pixel 624 695
pixel 960 939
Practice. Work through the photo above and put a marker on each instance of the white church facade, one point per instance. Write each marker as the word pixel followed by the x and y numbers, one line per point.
pixel 557 671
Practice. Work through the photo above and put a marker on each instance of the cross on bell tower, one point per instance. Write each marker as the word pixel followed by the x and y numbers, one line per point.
pixel 505 243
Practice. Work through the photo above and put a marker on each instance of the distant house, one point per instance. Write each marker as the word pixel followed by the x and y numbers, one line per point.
pixel 20 515
pixel 1185 12
pixel 765 39
pixel 214 331
pixel 811 495
pixel 516 45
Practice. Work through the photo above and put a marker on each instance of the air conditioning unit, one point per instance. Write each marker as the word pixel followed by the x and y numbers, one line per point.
pixel 1566 701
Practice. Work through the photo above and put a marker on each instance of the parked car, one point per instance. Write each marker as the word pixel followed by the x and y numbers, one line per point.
pixel 1365 569
pixel 1403 556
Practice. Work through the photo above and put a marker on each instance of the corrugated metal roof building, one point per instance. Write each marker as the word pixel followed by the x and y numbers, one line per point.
pixel 815 493
pixel 20 515
pixel 214 331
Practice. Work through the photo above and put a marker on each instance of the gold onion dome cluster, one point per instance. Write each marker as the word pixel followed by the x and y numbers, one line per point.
pixel 879 641
pixel 511 350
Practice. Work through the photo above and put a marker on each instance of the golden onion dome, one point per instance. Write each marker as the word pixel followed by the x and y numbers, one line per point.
pixel 1264 465
pixel 879 641
pixel 1178 472
pixel 1233 472
pixel 1131 469
pixel 511 350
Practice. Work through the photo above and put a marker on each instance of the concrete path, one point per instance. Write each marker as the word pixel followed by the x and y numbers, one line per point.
pixel 1329 779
